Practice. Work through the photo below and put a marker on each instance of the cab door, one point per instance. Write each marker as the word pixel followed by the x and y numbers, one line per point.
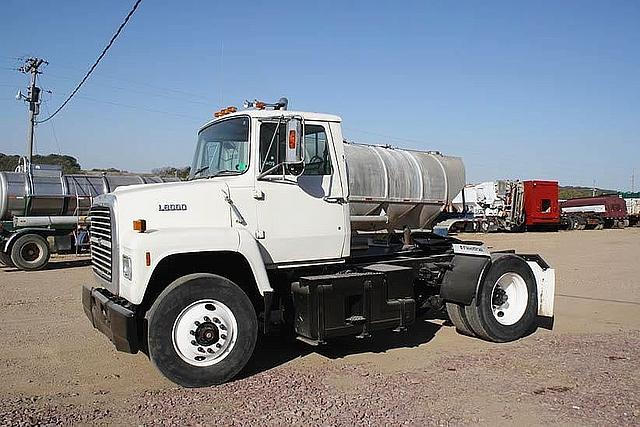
pixel 301 218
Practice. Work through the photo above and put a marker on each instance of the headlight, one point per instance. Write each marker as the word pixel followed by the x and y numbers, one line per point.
pixel 126 267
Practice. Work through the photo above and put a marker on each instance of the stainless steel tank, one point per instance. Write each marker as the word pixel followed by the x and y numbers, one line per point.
pixel 390 188
pixel 52 193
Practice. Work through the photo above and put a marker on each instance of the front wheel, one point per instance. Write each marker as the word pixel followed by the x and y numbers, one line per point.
pixel 506 306
pixel 202 330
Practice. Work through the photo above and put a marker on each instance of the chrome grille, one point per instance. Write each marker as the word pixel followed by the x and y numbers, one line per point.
pixel 100 233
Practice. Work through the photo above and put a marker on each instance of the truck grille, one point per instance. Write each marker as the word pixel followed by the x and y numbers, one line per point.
pixel 100 233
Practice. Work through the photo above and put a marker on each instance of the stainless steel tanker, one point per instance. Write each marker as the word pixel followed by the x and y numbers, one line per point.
pixel 50 193
pixel 43 212
pixel 392 188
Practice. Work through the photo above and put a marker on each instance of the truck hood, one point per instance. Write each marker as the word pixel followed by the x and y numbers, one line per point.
pixel 199 203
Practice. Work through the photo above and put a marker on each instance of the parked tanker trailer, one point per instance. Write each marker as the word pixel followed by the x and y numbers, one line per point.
pixel 607 211
pixel 503 206
pixel 284 228
pixel 45 212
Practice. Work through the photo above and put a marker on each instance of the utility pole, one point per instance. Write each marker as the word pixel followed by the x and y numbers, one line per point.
pixel 31 66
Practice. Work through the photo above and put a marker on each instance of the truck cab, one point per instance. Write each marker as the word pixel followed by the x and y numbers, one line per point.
pixel 263 237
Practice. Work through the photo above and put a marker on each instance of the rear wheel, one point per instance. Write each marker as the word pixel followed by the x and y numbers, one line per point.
pixel 30 252
pixel 459 319
pixel 202 330
pixel 507 302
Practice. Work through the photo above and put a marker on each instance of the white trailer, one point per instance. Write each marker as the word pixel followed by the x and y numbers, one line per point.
pixel 284 227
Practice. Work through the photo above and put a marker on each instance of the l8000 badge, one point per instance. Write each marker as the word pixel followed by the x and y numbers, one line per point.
pixel 172 207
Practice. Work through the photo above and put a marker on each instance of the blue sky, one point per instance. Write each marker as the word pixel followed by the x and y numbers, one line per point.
pixel 544 89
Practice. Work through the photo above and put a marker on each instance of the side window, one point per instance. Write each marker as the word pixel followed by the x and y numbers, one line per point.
pixel 317 157
pixel 545 206
pixel 272 146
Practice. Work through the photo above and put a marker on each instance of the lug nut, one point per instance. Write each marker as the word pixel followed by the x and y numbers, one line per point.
pixel 206 319
pixel 218 345
pixel 224 337
pixel 209 350
pixel 197 323
pixel 192 332
pixel 194 342
pixel 224 328
pixel 216 320
pixel 201 350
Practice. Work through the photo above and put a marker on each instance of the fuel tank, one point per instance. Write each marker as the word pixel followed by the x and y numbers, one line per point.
pixel 392 188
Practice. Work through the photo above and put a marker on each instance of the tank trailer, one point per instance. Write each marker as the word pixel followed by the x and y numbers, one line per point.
pixel 43 211
pixel 285 228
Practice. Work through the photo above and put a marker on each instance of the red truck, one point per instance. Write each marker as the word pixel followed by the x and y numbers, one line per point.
pixel 504 206
pixel 541 209
pixel 606 211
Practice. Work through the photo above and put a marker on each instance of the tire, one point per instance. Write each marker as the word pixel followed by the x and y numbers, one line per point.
pixel 459 319
pixel 30 252
pixel 195 350
pixel 505 322
pixel 5 259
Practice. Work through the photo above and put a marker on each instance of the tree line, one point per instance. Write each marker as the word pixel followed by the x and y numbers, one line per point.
pixel 69 165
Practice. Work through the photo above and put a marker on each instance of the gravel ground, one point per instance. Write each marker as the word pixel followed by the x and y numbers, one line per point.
pixel 57 370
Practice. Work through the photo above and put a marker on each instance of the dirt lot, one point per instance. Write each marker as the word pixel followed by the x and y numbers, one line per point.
pixel 56 369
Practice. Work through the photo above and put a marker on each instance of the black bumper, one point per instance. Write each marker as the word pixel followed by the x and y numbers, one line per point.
pixel 112 318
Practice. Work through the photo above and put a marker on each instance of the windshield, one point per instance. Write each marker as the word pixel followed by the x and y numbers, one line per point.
pixel 223 146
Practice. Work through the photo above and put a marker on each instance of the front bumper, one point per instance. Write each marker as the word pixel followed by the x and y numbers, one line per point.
pixel 109 315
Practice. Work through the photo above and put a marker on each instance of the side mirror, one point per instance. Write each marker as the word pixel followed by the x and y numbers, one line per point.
pixel 294 147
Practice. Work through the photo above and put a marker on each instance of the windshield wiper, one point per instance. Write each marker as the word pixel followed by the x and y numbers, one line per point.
pixel 202 169
pixel 220 172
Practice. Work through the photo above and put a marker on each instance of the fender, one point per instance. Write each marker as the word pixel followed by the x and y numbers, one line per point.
pixel 165 242
pixel 44 232
pixel 461 283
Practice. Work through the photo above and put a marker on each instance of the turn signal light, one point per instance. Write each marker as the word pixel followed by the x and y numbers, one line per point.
pixel 225 111
pixel 292 139
pixel 259 105
pixel 139 225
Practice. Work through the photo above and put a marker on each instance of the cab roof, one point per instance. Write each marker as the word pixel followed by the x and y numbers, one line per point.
pixel 308 115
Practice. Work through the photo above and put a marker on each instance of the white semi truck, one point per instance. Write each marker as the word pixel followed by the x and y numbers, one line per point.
pixel 285 228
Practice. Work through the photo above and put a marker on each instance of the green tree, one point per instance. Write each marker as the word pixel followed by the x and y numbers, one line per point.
pixel 69 164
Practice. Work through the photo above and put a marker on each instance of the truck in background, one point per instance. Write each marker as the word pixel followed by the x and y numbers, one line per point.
pixel 285 228
pixel 632 200
pixel 595 213
pixel 45 212
pixel 504 205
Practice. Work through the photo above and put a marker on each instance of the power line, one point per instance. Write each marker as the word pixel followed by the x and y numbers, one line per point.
pixel 392 138
pixel 163 88
pixel 162 94
pixel 95 64
pixel 136 107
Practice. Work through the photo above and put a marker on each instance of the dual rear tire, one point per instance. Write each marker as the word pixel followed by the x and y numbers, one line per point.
pixel 505 307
